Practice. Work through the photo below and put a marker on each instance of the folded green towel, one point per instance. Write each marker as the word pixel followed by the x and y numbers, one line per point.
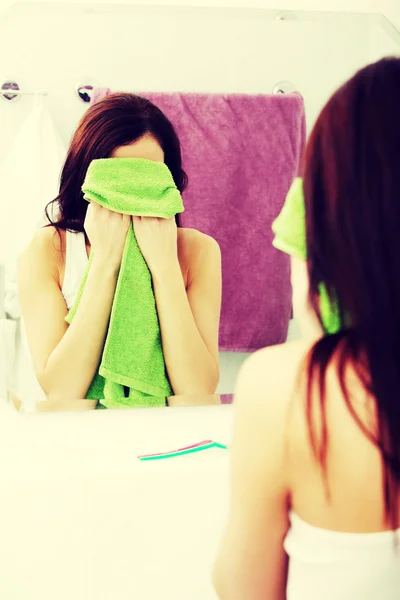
pixel 290 237
pixel 132 369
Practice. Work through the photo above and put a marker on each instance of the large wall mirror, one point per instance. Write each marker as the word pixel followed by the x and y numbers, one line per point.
pixel 162 306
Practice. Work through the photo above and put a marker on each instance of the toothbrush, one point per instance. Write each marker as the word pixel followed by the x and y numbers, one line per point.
pixel 206 445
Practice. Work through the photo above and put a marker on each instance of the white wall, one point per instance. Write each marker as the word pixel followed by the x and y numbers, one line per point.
pixel 175 49
pixel 185 49
pixel 216 51
pixel 390 8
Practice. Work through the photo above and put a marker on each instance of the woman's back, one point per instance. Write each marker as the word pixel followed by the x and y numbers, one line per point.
pixel 353 464
pixel 339 543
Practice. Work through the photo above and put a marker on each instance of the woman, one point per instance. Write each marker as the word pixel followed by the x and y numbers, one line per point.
pixel 316 445
pixel 185 264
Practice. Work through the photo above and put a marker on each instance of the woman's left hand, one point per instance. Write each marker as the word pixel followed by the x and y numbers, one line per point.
pixel 158 242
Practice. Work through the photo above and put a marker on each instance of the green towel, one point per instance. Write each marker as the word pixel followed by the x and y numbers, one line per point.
pixel 132 369
pixel 290 237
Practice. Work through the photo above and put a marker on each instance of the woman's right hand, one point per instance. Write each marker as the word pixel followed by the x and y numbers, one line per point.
pixel 107 231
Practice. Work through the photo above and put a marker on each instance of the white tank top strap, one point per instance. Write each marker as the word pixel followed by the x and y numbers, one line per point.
pixel 76 261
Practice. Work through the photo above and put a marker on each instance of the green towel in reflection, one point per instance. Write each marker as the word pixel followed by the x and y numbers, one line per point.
pixel 290 237
pixel 132 370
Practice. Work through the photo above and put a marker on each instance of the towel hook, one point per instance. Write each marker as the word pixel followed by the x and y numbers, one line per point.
pixel 10 85
pixel 84 91
pixel 284 87
pixel 10 90
pixel 286 16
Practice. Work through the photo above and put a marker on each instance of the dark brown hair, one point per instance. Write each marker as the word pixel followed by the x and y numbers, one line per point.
pixel 352 198
pixel 117 120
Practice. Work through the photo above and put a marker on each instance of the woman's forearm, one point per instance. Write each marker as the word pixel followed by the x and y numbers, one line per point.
pixel 73 363
pixel 191 368
pixel 65 405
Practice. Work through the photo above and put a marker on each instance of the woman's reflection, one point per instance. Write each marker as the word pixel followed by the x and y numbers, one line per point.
pixel 185 265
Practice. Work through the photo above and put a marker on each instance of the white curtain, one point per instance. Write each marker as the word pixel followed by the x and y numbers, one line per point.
pixel 29 179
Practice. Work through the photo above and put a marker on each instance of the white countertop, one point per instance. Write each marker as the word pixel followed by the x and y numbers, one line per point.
pixel 81 517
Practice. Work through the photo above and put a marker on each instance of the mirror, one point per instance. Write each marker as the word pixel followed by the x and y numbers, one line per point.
pixel 205 293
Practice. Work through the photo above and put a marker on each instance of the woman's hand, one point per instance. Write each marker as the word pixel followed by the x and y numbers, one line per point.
pixel 158 242
pixel 107 232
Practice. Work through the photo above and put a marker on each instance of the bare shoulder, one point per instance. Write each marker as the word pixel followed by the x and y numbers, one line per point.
pixel 262 403
pixel 199 255
pixel 270 376
pixel 45 251
pixel 192 241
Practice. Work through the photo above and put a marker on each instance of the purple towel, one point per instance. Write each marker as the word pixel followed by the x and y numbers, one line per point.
pixel 241 153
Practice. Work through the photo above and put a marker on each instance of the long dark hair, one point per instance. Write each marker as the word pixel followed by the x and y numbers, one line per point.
pixel 117 120
pixel 352 198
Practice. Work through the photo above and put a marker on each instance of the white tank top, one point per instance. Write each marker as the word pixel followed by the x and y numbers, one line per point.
pixel 76 262
pixel 330 565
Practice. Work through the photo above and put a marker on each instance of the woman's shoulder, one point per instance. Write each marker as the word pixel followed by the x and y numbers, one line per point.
pixel 198 253
pixel 48 238
pixel 46 250
pixel 276 365
pixel 265 425
pixel 272 385
pixel 194 239
pixel 270 379
pixel 196 249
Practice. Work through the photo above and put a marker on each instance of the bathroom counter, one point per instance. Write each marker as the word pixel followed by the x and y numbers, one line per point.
pixel 81 517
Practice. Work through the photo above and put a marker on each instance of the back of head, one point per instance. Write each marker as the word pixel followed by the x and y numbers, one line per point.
pixel 352 197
